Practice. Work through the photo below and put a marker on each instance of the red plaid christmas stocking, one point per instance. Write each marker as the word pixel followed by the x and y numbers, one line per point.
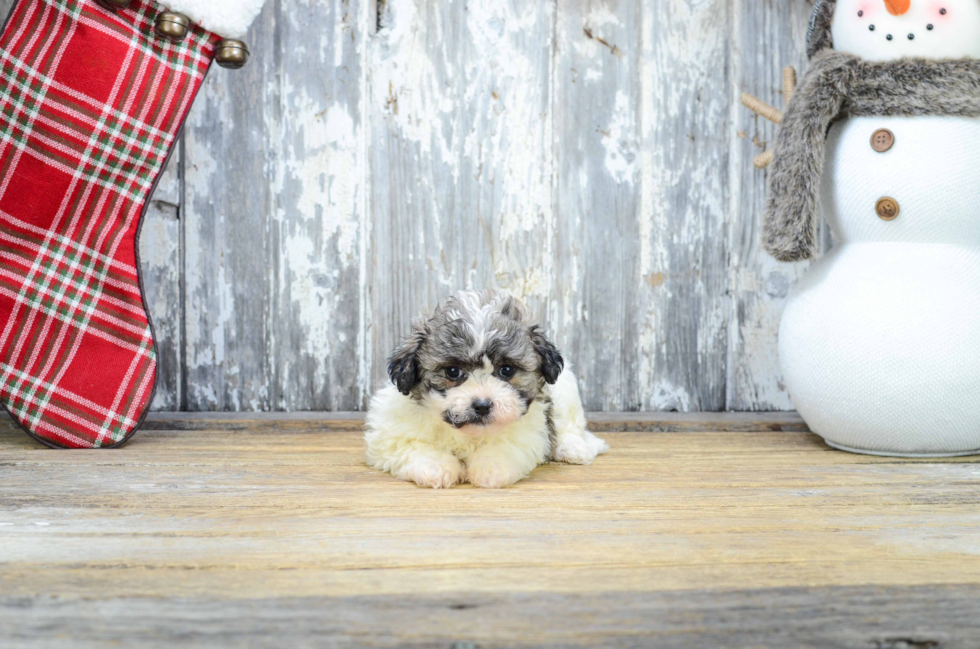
pixel 91 103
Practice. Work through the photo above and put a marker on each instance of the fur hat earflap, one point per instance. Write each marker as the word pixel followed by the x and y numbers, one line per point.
pixel 818 36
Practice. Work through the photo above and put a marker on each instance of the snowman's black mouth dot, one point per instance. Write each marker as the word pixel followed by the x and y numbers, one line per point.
pixel 911 37
pixel 871 28
pixel 860 13
pixel 929 27
pixel 889 37
pixel 942 12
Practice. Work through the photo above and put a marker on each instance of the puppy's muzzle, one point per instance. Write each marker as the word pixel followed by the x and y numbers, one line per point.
pixel 478 414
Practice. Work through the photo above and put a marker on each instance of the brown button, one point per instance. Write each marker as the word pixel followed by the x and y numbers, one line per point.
pixel 886 208
pixel 882 140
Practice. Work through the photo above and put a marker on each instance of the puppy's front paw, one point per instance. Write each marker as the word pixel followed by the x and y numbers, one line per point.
pixel 491 474
pixel 579 448
pixel 437 474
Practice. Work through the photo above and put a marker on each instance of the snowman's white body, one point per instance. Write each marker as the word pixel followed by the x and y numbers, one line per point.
pixel 880 341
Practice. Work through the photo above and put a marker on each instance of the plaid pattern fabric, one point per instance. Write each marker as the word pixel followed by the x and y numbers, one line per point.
pixel 91 101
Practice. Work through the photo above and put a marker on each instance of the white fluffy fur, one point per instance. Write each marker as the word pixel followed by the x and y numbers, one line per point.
pixel 227 18
pixel 574 444
pixel 412 442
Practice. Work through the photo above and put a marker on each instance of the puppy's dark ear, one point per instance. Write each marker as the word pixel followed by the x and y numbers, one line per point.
pixel 403 364
pixel 551 361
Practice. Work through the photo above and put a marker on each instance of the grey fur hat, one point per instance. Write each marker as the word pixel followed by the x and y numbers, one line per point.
pixel 818 35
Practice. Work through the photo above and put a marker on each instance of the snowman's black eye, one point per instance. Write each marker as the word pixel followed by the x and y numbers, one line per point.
pixel 929 27
pixel 871 28
pixel 889 37
pixel 860 13
pixel 911 37
pixel 942 12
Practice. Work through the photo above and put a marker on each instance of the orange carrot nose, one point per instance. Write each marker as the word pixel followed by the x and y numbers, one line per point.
pixel 897 7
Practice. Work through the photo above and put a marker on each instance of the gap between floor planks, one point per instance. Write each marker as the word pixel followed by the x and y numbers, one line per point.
pixel 659 422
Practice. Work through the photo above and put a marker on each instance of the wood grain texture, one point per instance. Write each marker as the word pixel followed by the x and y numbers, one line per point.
pixel 597 141
pixel 590 156
pixel 879 617
pixel 227 537
pixel 232 147
pixel 683 288
pixel 161 263
pixel 599 422
pixel 274 203
pixel 768 35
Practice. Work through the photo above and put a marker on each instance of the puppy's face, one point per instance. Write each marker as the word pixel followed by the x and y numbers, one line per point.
pixel 475 362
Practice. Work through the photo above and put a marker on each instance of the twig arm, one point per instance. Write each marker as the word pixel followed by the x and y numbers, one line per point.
pixel 761 108
pixel 789 83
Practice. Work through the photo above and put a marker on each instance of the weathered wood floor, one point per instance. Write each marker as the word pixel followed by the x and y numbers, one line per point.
pixel 211 532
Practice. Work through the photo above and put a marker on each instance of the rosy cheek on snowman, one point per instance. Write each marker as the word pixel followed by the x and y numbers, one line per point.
pixel 882 30
pixel 865 11
pixel 938 10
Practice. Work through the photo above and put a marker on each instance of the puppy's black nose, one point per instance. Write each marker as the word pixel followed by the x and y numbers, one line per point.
pixel 482 406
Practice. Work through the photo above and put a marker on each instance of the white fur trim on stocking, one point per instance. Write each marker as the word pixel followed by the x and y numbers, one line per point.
pixel 227 18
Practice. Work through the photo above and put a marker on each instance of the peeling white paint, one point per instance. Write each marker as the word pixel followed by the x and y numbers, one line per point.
pixel 532 284
pixel 462 146
pixel 313 292
pixel 326 171
pixel 156 249
pixel 223 291
pixel 618 140
pixel 665 396
pixel 402 82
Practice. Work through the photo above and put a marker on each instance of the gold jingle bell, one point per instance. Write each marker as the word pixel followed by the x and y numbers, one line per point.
pixel 115 4
pixel 231 54
pixel 172 26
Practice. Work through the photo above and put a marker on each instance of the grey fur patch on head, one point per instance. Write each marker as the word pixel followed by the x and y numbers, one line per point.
pixel 839 85
pixel 466 328
pixel 818 34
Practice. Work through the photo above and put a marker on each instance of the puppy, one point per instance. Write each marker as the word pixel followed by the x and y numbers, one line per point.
pixel 479 394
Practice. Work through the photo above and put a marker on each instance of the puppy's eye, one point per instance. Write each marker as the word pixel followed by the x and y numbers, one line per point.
pixel 453 373
pixel 507 371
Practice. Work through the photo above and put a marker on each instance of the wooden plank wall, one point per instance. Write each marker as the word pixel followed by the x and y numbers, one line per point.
pixel 590 156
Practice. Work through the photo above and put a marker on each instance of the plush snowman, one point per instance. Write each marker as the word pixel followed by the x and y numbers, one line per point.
pixel 880 340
